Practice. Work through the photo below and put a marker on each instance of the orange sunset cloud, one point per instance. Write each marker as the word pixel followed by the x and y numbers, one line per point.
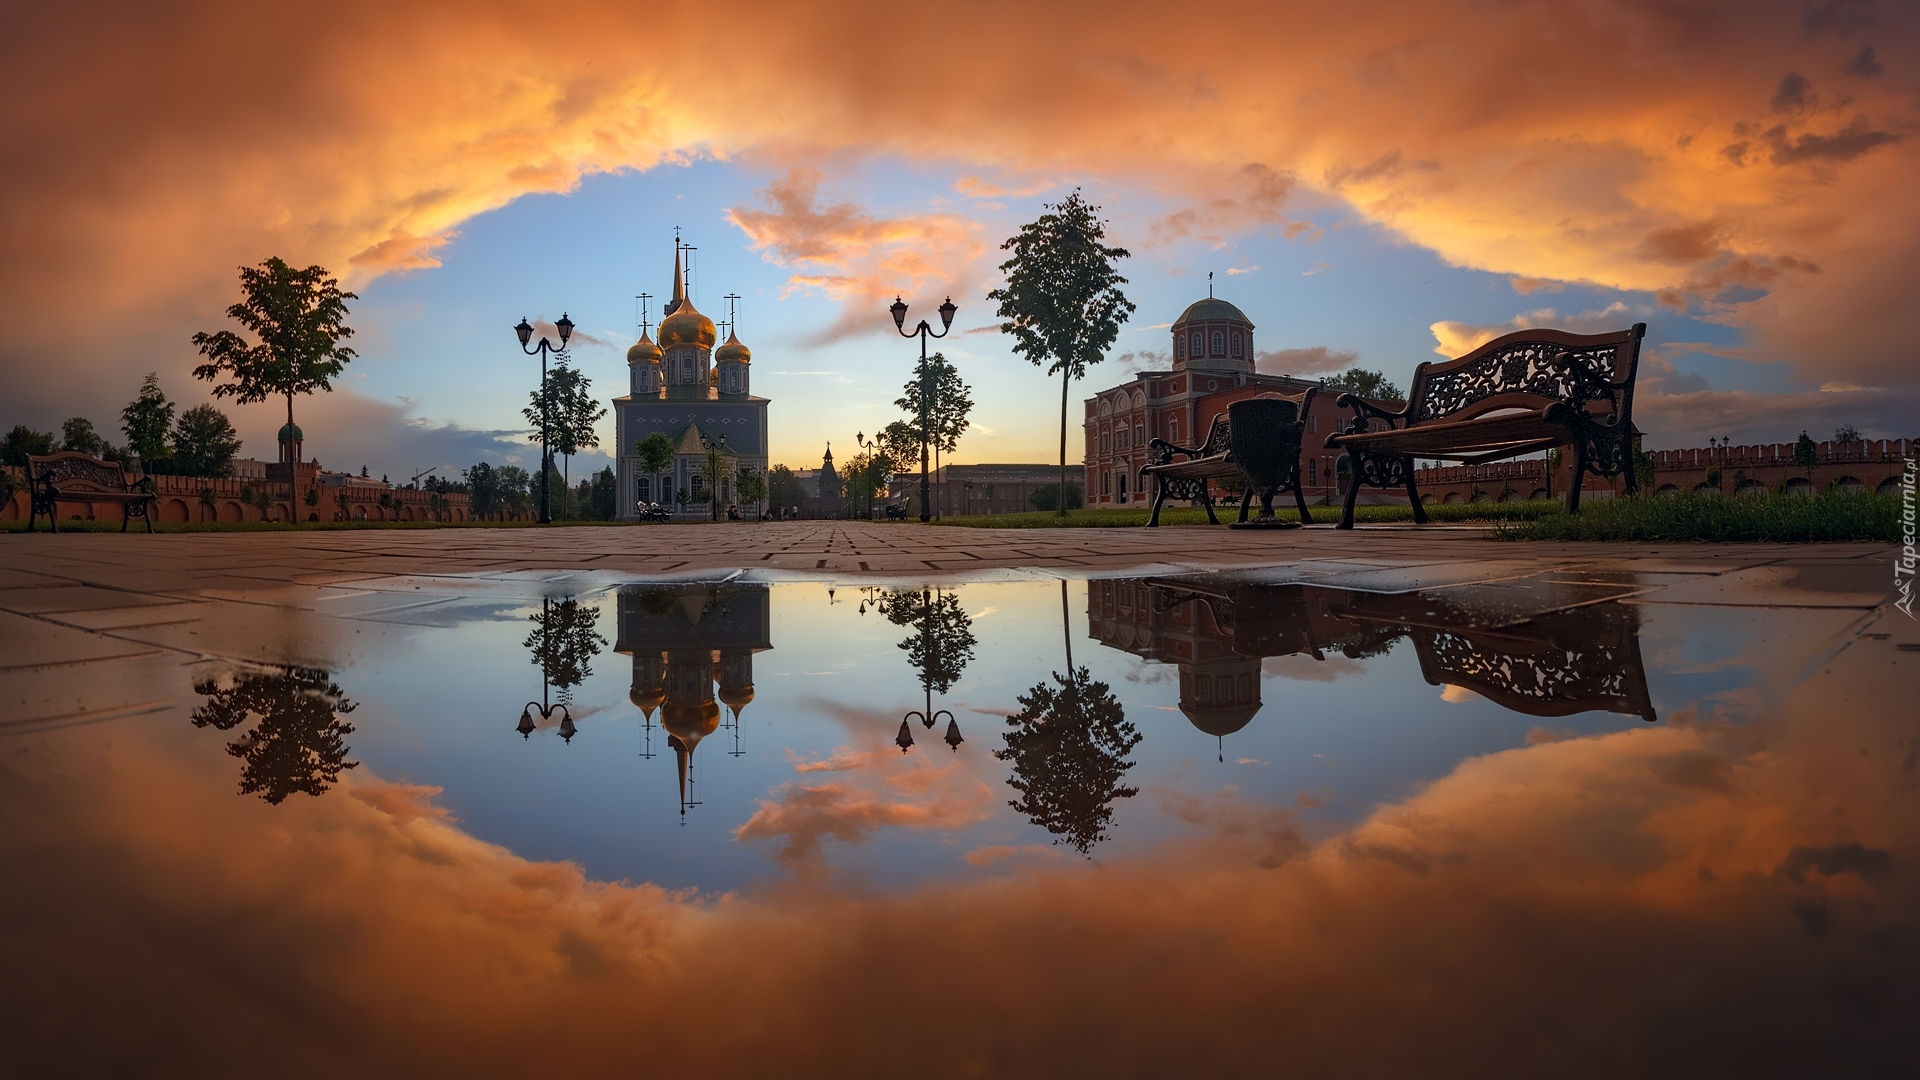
pixel 1683 149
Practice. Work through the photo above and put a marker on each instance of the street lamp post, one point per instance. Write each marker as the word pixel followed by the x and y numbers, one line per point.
pixel 923 331
pixel 867 449
pixel 525 332
pixel 714 447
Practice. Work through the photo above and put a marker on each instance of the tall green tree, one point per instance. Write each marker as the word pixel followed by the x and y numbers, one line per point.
pixel 299 317
pixel 145 421
pixel 1062 301
pixel 483 485
pixel 784 490
pixel 77 434
pixel 515 488
pixel 204 442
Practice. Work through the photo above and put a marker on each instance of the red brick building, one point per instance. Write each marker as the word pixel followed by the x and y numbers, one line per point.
pixel 1213 367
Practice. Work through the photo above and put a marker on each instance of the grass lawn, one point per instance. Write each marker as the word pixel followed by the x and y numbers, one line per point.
pixel 1131 516
pixel 1710 518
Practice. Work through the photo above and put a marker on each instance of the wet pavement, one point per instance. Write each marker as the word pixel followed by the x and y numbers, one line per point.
pixel 1388 803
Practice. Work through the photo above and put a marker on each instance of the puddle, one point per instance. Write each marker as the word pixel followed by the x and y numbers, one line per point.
pixel 1506 805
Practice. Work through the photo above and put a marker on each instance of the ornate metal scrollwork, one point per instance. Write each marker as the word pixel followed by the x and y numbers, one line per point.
pixel 1526 367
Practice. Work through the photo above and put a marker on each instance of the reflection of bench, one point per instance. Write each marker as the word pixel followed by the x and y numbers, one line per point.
pixel 1553 664
pixel 71 476
pixel 1529 391
pixel 1257 443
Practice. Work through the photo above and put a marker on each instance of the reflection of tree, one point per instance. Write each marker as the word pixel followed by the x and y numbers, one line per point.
pixel 299 743
pixel 563 641
pixel 1068 745
pixel 942 645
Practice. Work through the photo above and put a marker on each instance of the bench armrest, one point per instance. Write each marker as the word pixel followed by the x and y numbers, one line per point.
pixel 1363 412
pixel 1160 451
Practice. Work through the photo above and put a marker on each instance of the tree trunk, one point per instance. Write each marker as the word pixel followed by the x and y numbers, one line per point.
pixel 1066 376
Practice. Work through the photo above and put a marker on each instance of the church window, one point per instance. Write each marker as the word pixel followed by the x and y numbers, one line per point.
pixel 644 489
pixel 1198 344
pixel 699 485
pixel 1236 343
pixel 1173 429
pixel 1219 343
pixel 1179 348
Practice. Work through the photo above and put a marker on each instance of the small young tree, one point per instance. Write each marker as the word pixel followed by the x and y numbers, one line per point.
pixel 514 485
pixel 656 453
pixel 784 490
pixel 77 434
pixel 145 421
pixel 946 400
pixel 204 442
pixel 1806 454
pixel 602 500
pixel 1062 301
pixel 207 502
pixel 299 317
pixel 1846 433
pixel 570 412
pixel 750 486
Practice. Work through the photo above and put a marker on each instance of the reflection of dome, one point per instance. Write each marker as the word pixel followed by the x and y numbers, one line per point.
pixel 687 326
pixel 644 351
pixel 1219 720
pixel 285 429
pixel 736 697
pixel 733 351
pixel 691 721
pixel 648 699
pixel 1212 309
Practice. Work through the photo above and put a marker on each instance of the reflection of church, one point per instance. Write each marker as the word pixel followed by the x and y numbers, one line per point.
pixel 692 648
pixel 683 387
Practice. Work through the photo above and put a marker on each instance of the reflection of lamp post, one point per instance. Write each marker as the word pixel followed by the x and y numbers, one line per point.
pixel 525 331
pixel 714 447
pixel 927 716
pixel 923 331
pixel 526 725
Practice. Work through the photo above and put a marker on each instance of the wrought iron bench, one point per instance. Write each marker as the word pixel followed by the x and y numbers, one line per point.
pixel 70 476
pixel 1529 391
pixel 1257 441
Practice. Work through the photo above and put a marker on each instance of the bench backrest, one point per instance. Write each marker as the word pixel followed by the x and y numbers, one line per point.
pixel 75 472
pixel 1522 370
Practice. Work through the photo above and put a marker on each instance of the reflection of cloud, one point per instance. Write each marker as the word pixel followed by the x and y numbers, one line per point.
pixel 800 817
pixel 1307 669
pixel 1457 695
pixel 1759 865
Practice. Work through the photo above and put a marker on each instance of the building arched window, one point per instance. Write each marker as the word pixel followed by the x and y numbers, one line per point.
pixel 1179 348
pixel 1219 343
pixel 1173 429
pixel 1197 342
pixel 1236 343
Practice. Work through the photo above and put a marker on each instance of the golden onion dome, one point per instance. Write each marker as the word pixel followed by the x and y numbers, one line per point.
pixel 733 351
pixel 687 327
pixel 644 351
pixel 691 721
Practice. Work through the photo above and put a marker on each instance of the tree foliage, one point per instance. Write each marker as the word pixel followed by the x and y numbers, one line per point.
pixel 1069 744
pixel 204 442
pixel 1062 301
pixel 656 453
pixel 1846 433
pixel 785 490
pixel 299 317
pixel 22 442
pixel 1364 383
pixel 299 743
pixel 77 434
pixel 948 400
pixel 1047 497
pixel 750 486
pixel 1806 453
pixel 563 641
pixel 941 646
pixel 145 422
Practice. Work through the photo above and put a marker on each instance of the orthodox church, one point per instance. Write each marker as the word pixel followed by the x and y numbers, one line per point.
pixel 685 388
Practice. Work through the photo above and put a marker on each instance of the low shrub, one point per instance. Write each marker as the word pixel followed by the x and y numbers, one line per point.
pixel 1710 517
